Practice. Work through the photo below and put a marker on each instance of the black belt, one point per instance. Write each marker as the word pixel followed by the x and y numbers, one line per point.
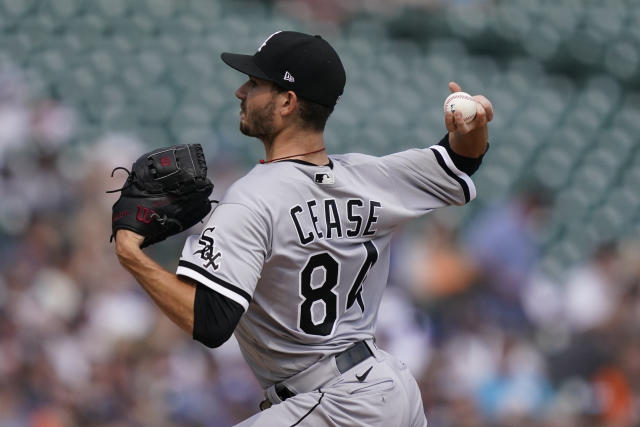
pixel 346 360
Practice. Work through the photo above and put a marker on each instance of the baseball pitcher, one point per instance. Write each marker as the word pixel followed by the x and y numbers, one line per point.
pixel 295 257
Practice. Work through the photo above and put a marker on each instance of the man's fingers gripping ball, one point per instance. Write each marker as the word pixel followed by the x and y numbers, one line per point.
pixel 463 103
pixel 486 106
pixel 166 192
pixel 464 112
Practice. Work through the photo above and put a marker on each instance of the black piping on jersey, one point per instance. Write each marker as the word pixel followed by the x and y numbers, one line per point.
pixel 310 410
pixel 213 278
pixel 463 184
pixel 304 162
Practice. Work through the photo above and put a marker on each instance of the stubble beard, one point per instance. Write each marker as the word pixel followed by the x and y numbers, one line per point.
pixel 258 122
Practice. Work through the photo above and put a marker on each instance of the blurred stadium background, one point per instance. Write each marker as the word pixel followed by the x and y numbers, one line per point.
pixel 522 309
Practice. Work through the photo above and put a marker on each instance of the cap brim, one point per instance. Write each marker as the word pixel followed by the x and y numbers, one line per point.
pixel 244 64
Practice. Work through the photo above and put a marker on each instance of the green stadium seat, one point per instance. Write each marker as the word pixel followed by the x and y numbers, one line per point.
pixel 14 9
pixel 188 116
pixel 511 21
pixel 535 118
pixel 466 22
pixel 103 99
pixel 618 141
pixel 199 135
pixel 52 62
pixel 622 59
pixel 546 42
pixel 553 96
pixel 359 47
pixel 152 64
pixel 213 97
pixel 185 27
pixel 89 28
pixel 18 48
pixel 64 9
pixel 586 45
pixel 132 77
pixel 157 136
pixel 571 205
pixel 571 138
pixel 120 120
pixel 602 93
pixel 104 63
pixel 111 8
pixel 136 28
pixel 208 10
pixel 584 119
pixel 607 19
pixel 554 166
pixel 593 181
pixel 520 81
pixel 485 69
pixel 626 201
pixel 157 9
pixel 631 177
pixel 155 104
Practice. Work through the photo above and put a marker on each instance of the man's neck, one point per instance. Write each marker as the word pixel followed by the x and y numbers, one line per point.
pixel 297 144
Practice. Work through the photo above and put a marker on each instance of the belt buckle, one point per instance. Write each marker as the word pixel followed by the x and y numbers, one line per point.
pixel 353 355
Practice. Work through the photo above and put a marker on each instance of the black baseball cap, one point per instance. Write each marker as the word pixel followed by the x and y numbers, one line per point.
pixel 303 63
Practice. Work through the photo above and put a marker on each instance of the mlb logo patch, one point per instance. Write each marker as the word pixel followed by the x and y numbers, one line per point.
pixel 324 178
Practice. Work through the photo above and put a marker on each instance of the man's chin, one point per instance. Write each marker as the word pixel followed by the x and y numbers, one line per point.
pixel 245 129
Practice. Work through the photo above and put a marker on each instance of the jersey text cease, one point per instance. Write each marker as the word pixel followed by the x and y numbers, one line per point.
pixel 322 219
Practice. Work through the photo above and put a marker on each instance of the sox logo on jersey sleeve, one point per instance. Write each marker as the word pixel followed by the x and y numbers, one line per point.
pixel 208 252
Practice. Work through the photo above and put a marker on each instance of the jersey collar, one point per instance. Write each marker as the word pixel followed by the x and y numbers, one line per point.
pixel 303 162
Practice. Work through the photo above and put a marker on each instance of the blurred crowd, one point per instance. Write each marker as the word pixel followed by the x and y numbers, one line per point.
pixel 509 346
pixel 492 341
pixel 80 342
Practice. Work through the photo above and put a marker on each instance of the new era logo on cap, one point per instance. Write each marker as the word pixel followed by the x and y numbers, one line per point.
pixel 288 77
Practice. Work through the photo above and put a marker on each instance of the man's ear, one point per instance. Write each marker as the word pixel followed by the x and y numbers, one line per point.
pixel 287 103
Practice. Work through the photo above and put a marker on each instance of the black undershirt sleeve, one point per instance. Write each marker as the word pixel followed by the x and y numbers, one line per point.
pixel 214 317
pixel 467 165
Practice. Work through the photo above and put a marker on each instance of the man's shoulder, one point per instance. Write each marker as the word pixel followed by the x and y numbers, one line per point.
pixel 246 185
pixel 256 186
pixel 353 158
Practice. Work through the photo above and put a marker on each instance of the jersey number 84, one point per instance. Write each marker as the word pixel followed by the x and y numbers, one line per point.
pixel 326 293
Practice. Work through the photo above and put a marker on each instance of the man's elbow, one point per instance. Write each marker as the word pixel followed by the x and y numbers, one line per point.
pixel 214 317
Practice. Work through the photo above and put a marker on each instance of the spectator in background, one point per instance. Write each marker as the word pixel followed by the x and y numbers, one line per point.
pixel 439 275
pixel 502 243
pixel 591 291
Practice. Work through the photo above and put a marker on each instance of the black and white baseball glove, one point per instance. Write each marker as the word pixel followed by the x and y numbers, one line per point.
pixel 167 191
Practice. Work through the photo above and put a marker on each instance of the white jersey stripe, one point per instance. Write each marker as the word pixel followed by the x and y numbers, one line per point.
pixel 465 181
pixel 200 275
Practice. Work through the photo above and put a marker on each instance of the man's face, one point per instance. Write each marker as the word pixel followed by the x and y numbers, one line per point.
pixel 257 108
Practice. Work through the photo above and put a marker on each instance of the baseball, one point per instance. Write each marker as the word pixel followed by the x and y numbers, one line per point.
pixel 463 102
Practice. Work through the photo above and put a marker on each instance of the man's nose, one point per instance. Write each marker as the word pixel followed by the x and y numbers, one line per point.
pixel 241 93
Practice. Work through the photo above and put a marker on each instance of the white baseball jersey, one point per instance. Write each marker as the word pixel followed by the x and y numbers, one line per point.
pixel 305 249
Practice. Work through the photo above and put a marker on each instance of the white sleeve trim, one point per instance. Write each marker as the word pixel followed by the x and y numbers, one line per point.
pixel 187 272
pixel 466 178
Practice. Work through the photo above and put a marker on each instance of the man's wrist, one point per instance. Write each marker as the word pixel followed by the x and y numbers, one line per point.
pixel 127 251
pixel 466 147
